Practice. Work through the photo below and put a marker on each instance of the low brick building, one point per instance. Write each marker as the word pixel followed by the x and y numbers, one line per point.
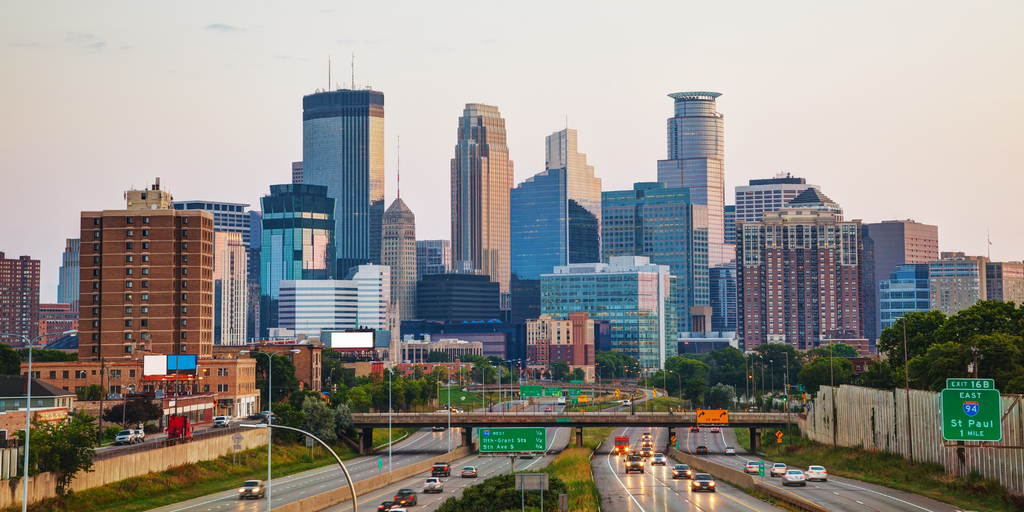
pixel 49 403
pixel 308 365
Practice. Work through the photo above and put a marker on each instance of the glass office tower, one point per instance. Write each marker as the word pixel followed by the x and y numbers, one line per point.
pixel 297 242
pixel 906 291
pixel 70 273
pixel 343 150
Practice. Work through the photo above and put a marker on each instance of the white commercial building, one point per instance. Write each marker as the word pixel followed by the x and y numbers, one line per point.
pixel 768 195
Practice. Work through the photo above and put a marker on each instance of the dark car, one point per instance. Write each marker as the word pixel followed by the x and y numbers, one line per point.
pixel 634 463
pixel 703 482
pixel 702 450
pixel 252 489
pixel 405 497
pixel 387 505
pixel 694 429
pixel 681 471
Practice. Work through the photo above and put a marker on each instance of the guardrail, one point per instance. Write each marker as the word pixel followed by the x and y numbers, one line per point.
pixel 473 419
pixel 163 443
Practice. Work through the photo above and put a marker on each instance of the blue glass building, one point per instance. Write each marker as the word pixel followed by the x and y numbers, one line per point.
pixel 343 149
pixel 297 242
pixel 904 292
pixel 664 225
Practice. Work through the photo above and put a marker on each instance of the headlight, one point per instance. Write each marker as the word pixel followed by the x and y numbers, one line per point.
pixel 241 490
pixel 712 484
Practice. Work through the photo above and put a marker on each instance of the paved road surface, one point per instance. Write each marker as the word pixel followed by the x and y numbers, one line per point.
pixel 837 494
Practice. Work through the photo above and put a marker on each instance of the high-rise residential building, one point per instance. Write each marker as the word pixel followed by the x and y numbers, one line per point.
pixel 227 217
pixel 482 177
pixel 906 291
pixel 540 333
pixel 296 173
pixel 343 149
pixel 297 242
pixel 768 195
pixel 147 279
pixel 19 298
pixel 799 275
pixel 56 319
pixel 888 244
pixel 730 225
pixel 696 160
pixel 231 278
pixel 664 225
pixel 634 295
pixel 67 286
pixel 956 282
pixel 722 288
pixel 577 349
pixel 398 251
pixel 433 257
pixel 309 306
pixel 252 316
pixel 1005 281
pixel 458 298
pixel 373 283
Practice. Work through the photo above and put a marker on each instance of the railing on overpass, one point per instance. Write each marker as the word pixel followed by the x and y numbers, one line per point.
pixel 562 419
pixel 606 388
pixel 163 443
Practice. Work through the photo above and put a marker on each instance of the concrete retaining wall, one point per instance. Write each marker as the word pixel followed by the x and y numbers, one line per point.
pixel 115 469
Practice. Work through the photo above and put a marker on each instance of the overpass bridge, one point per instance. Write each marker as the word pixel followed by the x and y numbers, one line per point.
pixel 366 422
pixel 603 388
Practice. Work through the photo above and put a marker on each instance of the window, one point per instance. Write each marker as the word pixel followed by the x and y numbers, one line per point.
pixel 145 284
pixel 65 374
pixel 127 323
pixel 131 374
pixel 96 336
pixel 143 195
pixel 127 284
pixel 222 388
pixel 184 309
pixel 95 311
pixel 206 388
pixel 127 349
pixel 115 389
pixel 129 258
pixel 184 271
pixel 95 349
pixel 184 323
pixel 145 258
pixel 184 284
pixel 145 309
pixel 130 220
pixel 95 234
pixel 127 310
pixel 96 286
pixel 115 374
pixel 95 222
pixel 184 232
pixel 145 220
pixel 145 245
pixel 145 232
pixel 184 245
pixel 129 232
pixel 96 259
pixel 127 335
pixel 145 271
pixel 184 259
pixel 129 271
pixel 95 247
pixel 184 335
pixel 95 271
pixel 53 374
pixel 95 323
pixel 145 296
pixel 184 296
pixel 145 323
pixel 80 374
pixel 183 347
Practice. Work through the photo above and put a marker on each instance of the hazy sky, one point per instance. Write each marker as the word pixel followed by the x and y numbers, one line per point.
pixel 897 109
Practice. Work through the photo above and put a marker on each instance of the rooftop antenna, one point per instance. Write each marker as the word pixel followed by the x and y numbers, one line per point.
pixel 353 70
pixel 988 234
pixel 328 72
pixel 399 166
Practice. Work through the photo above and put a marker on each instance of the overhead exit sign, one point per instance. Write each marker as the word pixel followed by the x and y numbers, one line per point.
pixel 529 391
pixel 970 384
pixel 513 439
pixel 971 411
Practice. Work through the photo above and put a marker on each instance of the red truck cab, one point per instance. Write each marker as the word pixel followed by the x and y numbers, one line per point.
pixel 178 427
pixel 621 445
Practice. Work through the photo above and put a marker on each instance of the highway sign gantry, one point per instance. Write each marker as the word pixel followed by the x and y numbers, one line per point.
pixel 527 391
pixel 713 416
pixel 512 439
pixel 971 411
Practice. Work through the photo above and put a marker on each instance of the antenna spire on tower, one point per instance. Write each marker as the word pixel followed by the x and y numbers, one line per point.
pixel 399 166
pixel 353 71
pixel 328 72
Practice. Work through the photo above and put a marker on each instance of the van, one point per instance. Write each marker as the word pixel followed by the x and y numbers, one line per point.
pixel 561 400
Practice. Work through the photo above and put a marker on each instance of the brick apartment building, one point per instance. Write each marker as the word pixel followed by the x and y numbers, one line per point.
pixel 19 298
pixel 55 319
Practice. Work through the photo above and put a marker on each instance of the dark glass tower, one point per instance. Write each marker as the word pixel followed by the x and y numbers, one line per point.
pixel 343 150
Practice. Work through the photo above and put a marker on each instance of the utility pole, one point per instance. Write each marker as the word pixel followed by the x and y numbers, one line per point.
pixel 832 372
pixel 974 350
pixel 906 375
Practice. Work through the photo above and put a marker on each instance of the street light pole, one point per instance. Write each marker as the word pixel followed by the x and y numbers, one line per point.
pixel 391 437
pixel 832 382
pixel 906 375
pixel 270 408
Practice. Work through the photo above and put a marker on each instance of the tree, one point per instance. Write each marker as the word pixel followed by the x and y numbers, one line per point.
pixel 558 369
pixel 999 357
pixel 133 412
pixel 359 400
pixel 720 397
pixel 879 376
pixel 984 318
pixel 578 374
pixel 837 350
pixel 694 389
pixel 298 397
pixel 499 493
pixel 285 414
pixel 728 366
pixel 922 330
pixel 10 361
pixel 342 419
pixel 65 448
pixel 285 381
pixel 42 355
pixel 319 419
pixel 90 392
pixel 437 356
pixel 818 373
pixel 687 368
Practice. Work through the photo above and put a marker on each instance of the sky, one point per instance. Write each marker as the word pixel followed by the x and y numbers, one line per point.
pixel 896 109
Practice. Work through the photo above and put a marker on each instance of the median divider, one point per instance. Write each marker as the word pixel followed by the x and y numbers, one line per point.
pixel 742 479
pixel 367 485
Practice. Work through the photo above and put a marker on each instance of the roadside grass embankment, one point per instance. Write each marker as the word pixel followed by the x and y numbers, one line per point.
pixel 380 435
pixel 928 479
pixel 573 467
pixel 191 481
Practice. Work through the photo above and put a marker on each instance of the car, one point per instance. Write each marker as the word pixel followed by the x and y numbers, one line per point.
pixel 441 469
pixel 681 471
pixel 694 429
pixel 405 497
pixel 646 435
pixel 778 469
pixel 140 435
pixel 525 455
pixel 703 482
pixel 469 472
pixel 634 463
pixel 752 467
pixel 437 429
pixel 221 421
pixel 794 477
pixel 645 453
pixel 252 489
pixel 715 430
pixel 125 437
pixel 547 409
pixel 627 402
pixel 729 450
pixel 399 509
pixel 659 459
pixel 459 410
pixel 702 450
pixel 817 473
pixel 386 506
pixel 433 485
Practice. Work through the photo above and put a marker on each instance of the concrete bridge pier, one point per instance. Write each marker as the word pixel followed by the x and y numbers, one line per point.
pixel 365 441
pixel 754 438
pixel 579 437
pixel 467 436
pixel 671 436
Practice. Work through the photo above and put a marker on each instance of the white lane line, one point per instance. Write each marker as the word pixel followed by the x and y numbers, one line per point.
pixel 607 460
pixel 886 495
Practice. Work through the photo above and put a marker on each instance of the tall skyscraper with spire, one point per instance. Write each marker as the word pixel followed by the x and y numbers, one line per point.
pixel 482 177
pixel 398 251
pixel 343 149
pixel 696 160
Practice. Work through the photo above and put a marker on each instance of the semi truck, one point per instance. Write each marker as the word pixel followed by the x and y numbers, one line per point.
pixel 621 445
pixel 179 428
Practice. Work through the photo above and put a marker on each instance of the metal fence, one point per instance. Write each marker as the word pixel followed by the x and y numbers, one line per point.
pixel 877 419
pixel 163 443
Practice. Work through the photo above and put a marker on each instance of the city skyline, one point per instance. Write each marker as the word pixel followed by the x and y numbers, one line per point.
pixel 89 68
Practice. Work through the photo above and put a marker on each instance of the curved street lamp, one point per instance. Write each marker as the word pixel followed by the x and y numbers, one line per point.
pixel 270 405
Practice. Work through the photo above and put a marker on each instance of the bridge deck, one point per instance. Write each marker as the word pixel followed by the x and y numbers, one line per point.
pixel 552 419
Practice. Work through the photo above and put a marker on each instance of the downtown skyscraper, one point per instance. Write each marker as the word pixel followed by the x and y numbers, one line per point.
pixel 343 150
pixel 482 177
pixel 398 251
pixel 696 160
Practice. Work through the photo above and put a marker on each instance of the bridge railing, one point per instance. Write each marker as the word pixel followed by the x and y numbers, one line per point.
pixel 485 416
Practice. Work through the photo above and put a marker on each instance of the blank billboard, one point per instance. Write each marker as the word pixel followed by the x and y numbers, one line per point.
pixel 154 366
pixel 163 366
pixel 352 340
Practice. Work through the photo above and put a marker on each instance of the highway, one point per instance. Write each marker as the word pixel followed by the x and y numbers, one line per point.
pixel 837 494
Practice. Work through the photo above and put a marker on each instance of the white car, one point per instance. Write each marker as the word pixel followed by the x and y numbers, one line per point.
pixel 433 484
pixel 752 467
pixel 729 450
pixel 817 473
pixel 140 435
pixel 221 421
pixel 794 477
pixel 125 437
pixel 779 469
pixel 659 459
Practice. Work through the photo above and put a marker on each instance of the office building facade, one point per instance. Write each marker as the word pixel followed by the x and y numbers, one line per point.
pixel 398 251
pixel 433 257
pixel 19 298
pixel 418 351
pixel 310 306
pixel 1005 281
pixel 296 173
pixel 343 150
pixel 799 276
pixel 147 280
pixel 906 291
pixel 525 299
pixel 297 242
pixel 252 316
pixel 481 178
pixel 887 245
pixel 227 217
pixel 373 283
pixel 231 282
pixel 458 298
pixel 696 160
pixel 767 195
pixel 730 225
pixel 724 305
pixel 70 270
pixel 634 295
pixel 664 225
pixel 956 282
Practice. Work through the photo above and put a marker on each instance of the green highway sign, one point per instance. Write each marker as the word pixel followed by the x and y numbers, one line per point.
pixel 760 468
pixel 574 392
pixel 971 414
pixel 575 382
pixel 563 420
pixel 529 391
pixel 513 439
pixel 552 391
pixel 970 384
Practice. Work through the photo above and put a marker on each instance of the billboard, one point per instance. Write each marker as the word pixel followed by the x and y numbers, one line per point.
pixel 161 366
pixel 360 340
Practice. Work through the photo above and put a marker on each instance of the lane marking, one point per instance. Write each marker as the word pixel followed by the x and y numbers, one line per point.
pixel 607 460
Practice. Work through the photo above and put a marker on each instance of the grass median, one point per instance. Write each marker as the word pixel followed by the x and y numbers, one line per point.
pixel 573 467
pixel 191 481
